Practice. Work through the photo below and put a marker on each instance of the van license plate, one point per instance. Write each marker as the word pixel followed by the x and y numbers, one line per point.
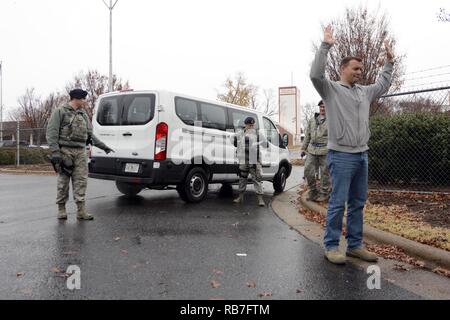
pixel 132 167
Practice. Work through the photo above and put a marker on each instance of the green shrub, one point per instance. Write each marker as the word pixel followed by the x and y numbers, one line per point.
pixel 410 148
pixel 27 156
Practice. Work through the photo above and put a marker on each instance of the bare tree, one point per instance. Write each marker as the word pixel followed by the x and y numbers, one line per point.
pixel 308 111
pixel 269 104
pixel 418 105
pixel 95 84
pixel 361 33
pixel 238 91
pixel 35 111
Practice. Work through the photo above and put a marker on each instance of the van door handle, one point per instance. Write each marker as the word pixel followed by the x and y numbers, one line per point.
pixel 127 134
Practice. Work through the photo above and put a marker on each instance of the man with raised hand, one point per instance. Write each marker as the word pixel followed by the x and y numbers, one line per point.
pixel 348 105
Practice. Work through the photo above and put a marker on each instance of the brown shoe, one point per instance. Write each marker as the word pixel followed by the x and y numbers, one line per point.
pixel 362 254
pixel 334 256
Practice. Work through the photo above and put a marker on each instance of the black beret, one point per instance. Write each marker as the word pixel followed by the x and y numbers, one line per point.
pixel 249 120
pixel 78 94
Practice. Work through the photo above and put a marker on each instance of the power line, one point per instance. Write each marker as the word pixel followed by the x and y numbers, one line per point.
pixel 430 76
pixel 435 68
pixel 426 84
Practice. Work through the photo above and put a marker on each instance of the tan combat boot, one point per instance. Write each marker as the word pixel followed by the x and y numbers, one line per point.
pixel 62 214
pixel 82 214
pixel 261 202
pixel 362 254
pixel 239 199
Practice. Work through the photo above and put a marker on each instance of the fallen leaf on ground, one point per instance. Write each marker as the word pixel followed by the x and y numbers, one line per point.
pixel 215 283
pixel 265 294
pixel 217 271
pixel 400 267
pixel 56 270
pixel 116 238
pixel 19 274
pixel 299 291
pixel 251 284
pixel 124 251
pixel 235 224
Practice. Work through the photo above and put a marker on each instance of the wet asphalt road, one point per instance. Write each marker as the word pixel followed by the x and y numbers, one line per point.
pixel 158 247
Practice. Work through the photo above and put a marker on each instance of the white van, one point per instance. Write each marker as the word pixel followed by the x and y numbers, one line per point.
pixel 165 140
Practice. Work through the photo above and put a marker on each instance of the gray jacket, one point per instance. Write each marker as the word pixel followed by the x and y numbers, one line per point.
pixel 347 107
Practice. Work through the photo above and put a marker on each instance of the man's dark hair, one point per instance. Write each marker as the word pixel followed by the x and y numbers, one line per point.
pixel 347 60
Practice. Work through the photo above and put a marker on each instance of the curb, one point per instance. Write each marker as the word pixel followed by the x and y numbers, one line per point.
pixel 413 248
pixel 25 171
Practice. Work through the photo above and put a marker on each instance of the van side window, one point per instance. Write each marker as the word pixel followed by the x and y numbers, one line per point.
pixel 213 116
pixel 109 112
pixel 139 110
pixel 238 117
pixel 186 110
pixel 271 132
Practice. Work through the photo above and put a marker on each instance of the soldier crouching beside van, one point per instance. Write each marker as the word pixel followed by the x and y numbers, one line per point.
pixel 68 132
pixel 316 139
pixel 248 143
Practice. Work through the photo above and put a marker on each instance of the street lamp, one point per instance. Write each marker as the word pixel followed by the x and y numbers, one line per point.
pixel 110 6
pixel 1 102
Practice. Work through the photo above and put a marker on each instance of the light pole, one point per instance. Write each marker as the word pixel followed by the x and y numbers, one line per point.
pixel 110 6
pixel 1 102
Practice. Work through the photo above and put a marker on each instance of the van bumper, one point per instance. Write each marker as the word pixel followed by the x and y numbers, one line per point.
pixel 150 172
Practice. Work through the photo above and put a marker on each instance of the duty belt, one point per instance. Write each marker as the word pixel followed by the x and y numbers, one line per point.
pixel 319 145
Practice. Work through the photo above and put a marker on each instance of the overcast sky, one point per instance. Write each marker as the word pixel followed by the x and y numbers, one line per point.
pixel 191 46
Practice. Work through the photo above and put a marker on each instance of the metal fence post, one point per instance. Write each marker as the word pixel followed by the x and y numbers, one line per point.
pixel 18 143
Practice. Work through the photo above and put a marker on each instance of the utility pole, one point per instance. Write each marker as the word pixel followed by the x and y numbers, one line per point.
pixel 110 6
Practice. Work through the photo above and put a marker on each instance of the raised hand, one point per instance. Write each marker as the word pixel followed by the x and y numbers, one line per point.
pixel 328 35
pixel 389 53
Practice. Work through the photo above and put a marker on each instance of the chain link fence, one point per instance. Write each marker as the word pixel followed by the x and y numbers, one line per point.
pixel 410 141
pixel 20 144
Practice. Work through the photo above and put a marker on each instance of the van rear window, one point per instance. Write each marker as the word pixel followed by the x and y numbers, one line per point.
pixel 126 110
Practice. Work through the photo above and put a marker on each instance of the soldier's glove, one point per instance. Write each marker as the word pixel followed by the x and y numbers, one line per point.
pixel 56 157
pixel 303 154
pixel 108 150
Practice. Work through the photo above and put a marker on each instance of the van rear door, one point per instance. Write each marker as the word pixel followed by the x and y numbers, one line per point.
pixel 127 123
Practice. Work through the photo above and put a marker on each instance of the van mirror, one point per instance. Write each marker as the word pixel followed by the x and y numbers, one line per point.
pixel 285 139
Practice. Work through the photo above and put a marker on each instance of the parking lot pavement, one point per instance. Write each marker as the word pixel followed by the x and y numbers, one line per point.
pixel 158 247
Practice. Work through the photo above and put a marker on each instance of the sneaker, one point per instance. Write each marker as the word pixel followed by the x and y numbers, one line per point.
pixel 334 256
pixel 362 254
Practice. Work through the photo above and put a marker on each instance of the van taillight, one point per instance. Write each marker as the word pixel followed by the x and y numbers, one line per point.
pixel 161 141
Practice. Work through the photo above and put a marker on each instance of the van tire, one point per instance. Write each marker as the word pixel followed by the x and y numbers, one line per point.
pixel 194 187
pixel 128 189
pixel 279 181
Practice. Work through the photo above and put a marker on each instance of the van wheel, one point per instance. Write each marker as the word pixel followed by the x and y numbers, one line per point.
pixel 128 189
pixel 194 187
pixel 279 181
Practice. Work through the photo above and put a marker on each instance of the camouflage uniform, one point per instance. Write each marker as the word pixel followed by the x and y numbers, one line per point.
pixel 315 144
pixel 248 143
pixel 68 131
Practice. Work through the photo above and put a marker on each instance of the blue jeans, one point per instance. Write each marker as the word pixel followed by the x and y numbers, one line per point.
pixel 349 178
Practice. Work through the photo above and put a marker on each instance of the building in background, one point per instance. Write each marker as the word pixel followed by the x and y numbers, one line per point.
pixel 290 112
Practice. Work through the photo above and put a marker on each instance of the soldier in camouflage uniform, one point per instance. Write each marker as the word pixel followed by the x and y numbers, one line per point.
pixel 68 132
pixel 315 145
pixel 248 142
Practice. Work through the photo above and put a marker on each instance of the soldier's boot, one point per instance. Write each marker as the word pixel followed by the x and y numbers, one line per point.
pixel 312 195
pixel 81 213
pixel 62 214
pixel 322 197
pixel 239 199
pixel 261 202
